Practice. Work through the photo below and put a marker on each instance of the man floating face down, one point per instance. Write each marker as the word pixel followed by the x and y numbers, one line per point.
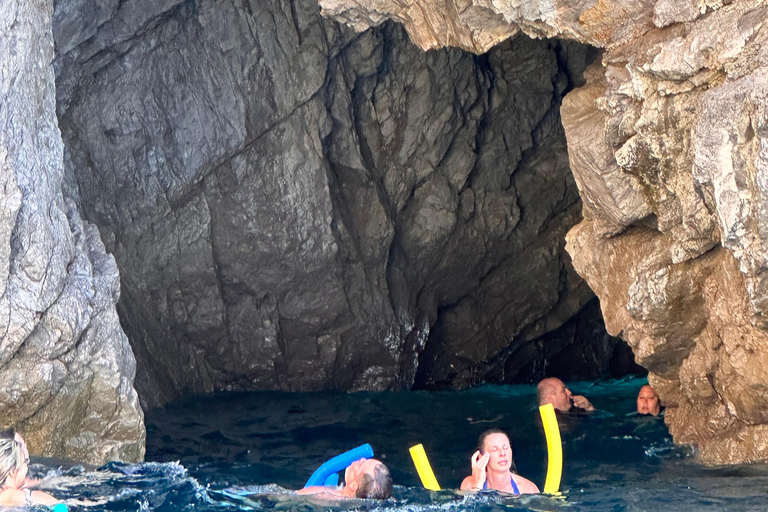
pixel 553 391
pixel 364 478
pixel 648 401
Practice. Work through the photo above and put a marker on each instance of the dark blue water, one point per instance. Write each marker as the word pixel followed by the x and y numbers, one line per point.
pixel 202 454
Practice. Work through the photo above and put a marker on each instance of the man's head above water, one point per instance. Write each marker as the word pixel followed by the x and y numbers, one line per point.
pixel 648 401
pixel 364 478
pixel 553 391
pixel 368 478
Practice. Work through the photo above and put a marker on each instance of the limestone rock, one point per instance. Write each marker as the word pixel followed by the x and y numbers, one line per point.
pixel 667 143
pixel 67 370
pixel 684 110
pixel 295 206
pixel 478 25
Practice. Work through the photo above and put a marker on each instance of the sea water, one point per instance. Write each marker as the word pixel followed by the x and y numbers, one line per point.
pixel 246 451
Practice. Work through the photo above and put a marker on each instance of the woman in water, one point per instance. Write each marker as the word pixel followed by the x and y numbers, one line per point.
pixel 14 464
pixel 494 468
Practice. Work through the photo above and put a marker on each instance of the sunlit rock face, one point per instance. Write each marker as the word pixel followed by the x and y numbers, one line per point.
pixel 295 206
pixel 66 369
pixel 684 114
pixel 668 143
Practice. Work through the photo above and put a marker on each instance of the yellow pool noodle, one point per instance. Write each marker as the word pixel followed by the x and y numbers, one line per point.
pixel 554 449
pixel 423 468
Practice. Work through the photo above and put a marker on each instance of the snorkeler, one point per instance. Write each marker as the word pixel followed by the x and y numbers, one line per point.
pixel 364 478
pixel 493 466
pixel 14 464
pixel 648 401
pixel 553 391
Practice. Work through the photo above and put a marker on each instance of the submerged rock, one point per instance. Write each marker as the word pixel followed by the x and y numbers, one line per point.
pixel 66 369
pixel 667 143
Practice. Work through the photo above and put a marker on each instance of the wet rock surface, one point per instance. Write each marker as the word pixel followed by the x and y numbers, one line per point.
pixel 66 368
pixel 296 206
pixel 667 145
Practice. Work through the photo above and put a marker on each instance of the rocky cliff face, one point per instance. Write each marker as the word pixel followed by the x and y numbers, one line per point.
pixel 66 369
pixel 667 142
pixel 295 206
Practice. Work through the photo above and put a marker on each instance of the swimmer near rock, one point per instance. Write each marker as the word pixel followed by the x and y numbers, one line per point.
pixel 15 490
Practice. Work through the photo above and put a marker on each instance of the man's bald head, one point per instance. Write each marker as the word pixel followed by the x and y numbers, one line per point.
pixel 553 391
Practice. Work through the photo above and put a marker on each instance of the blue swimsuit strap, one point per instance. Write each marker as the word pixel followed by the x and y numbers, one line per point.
pixel 511 480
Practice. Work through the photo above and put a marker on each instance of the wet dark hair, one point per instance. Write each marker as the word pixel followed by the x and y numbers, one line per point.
pixel 481 445
pixel 378 486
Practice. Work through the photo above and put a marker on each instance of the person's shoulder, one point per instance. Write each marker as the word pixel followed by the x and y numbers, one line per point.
pixel 524 485
pixel 12 498
pixel 315 489
pixel 324 492
pixel 466 484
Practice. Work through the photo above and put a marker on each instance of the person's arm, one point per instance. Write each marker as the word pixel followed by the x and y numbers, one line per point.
pixel 43 498
pixel 582 403
pixel 477 479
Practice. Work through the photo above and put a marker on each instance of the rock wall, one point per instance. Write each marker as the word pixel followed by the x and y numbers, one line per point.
pixel 66 369
pixel 667 142
pixel 295 206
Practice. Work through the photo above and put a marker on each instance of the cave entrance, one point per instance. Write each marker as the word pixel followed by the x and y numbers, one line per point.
pixel 295 206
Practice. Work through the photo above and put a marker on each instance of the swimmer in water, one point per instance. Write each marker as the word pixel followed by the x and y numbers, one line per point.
pixel 493 467
pixel 553 391
pixel 648 401
pixel 12 434
pixel 364 478
pixel 14 464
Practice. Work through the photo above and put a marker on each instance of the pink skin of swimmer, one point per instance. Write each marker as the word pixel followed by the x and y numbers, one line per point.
pixel 494 465
pixel 14 465
pixel 648 401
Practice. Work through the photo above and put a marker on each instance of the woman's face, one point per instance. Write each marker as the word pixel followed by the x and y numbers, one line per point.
pixel 648 401
pixel 501 452
pixel 21 472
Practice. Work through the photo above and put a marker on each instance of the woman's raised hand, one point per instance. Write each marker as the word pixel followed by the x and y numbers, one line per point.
pixel 479 463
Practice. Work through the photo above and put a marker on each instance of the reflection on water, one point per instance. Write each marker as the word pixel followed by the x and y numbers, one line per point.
pixel 244 451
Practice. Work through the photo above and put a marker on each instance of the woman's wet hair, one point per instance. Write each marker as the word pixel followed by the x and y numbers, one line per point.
pixel 376 487
pixel 481 445
pixel 11 457
pixel 481 439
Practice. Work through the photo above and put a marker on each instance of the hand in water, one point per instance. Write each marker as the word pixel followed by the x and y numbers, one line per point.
pixel 582 403
pixel 479 463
